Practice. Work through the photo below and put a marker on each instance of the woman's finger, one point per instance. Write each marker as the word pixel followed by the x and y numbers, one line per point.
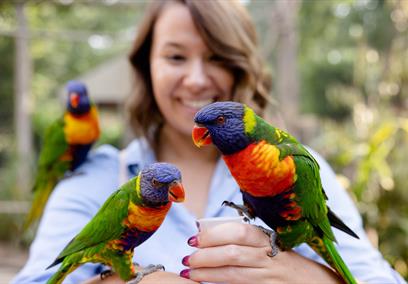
pixel 231 233
pixel 227 274
pixel 232 255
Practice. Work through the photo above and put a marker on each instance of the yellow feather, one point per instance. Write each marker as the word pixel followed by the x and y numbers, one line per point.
pixel 249 119
pixel 266 158
pixel 137 188
pixel 81 130
pixel 278 134
pixel 146 218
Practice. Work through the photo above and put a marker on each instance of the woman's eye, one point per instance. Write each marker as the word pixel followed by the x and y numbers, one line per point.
pixel 175 58
pixel 216 58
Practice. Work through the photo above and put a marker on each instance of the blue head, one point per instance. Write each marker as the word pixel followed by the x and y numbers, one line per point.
pixel 78 100
pixel 161 183
pixel 221 123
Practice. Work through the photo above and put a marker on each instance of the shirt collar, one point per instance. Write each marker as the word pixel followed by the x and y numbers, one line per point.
pixel 138 155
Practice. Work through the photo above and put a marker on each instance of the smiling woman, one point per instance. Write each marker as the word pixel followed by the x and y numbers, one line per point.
pixel 214 58
pixel 187 54
pixel 185 75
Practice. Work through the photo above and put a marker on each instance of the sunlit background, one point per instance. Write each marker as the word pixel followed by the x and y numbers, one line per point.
pixel 340 75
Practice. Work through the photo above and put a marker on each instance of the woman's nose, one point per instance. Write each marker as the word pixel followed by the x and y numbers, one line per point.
pixel 196 78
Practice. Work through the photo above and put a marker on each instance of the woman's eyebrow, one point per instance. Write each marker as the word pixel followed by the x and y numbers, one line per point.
pixel 174 44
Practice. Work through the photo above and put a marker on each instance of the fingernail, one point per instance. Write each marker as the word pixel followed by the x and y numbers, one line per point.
pixel 193 241
pixel 185 273
pixel 186 260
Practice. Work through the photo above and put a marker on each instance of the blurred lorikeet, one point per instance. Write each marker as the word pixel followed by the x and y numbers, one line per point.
pixel 278 177
pixel 66 144
pixel 126 219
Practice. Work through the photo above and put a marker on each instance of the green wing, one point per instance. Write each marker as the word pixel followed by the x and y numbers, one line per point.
pixel 54 145
pixel 106 225
pixel 294 148
pixel 49 170
pixel 310 194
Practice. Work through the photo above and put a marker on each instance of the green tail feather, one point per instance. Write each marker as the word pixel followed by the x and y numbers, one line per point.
pixel 40 199
pixel 325 248
pixel 60 275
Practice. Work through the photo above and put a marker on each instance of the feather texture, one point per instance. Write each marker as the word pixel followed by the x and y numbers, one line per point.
pixel 123 222
pixel 67 142
pixel 279 179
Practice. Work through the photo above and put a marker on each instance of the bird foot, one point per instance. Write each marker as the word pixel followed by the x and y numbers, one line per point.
pixel 147 270
pixel 70 174
pixel 242 210
pixel 106 273
pixel 272 240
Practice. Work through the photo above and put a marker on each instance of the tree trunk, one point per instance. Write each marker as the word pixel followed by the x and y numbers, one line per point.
pixel 22 83
pixel 287 79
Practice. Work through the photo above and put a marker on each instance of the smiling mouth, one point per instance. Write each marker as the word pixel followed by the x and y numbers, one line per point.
pixel 197 104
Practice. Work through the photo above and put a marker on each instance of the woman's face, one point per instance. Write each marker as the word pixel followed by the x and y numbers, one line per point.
pixel 185 74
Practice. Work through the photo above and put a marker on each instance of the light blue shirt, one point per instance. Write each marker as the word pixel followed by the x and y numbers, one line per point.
pixel 76 199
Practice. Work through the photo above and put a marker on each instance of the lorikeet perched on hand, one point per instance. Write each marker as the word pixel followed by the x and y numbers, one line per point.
pixel 127 219
pixel 278 177
pixel 66 144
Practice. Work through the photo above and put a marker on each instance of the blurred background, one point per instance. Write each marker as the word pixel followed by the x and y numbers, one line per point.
pixel 340 75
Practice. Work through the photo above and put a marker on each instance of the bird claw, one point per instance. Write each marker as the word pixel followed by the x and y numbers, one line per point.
pixel 105 274
pixel 147 270
pixel 272 240
pixel 71 174
pixel 242 210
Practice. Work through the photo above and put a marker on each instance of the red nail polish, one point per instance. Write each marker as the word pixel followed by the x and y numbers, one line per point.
pixel 186 260
pixel 185 273
pixel 193 241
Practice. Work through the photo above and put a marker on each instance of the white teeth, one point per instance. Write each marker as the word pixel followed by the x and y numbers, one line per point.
pixel 197 104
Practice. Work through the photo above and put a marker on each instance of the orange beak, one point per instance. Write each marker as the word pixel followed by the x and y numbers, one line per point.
pixel 201 136
pixel 74 100
pixel 176 192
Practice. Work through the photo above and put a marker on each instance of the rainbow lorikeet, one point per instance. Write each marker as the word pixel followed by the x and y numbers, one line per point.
pixel 278 177
pixel 127 218
pixel 66 144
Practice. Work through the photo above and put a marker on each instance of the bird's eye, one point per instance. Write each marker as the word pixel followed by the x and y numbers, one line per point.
pixel 220 120
pixel 156 183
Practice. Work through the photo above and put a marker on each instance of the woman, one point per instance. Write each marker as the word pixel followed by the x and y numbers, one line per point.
pixel 186 55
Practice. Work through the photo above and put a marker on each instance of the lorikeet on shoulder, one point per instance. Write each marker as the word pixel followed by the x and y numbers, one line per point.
pixel 278 177
pixel 66 144
pixel 127 218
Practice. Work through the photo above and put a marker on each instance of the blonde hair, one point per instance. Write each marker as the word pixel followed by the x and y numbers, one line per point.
pixel 229 33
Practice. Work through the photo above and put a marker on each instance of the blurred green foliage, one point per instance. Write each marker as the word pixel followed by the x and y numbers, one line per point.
pixel 354 72
pixel 65 40
pixel 353 65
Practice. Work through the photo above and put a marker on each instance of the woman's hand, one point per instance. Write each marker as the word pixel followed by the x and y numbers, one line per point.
pixel 237 253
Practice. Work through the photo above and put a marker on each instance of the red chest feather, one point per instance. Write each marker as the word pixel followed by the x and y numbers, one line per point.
pixel 258 170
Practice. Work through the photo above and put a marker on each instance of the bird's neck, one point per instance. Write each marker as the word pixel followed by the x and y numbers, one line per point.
pixel 146 218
